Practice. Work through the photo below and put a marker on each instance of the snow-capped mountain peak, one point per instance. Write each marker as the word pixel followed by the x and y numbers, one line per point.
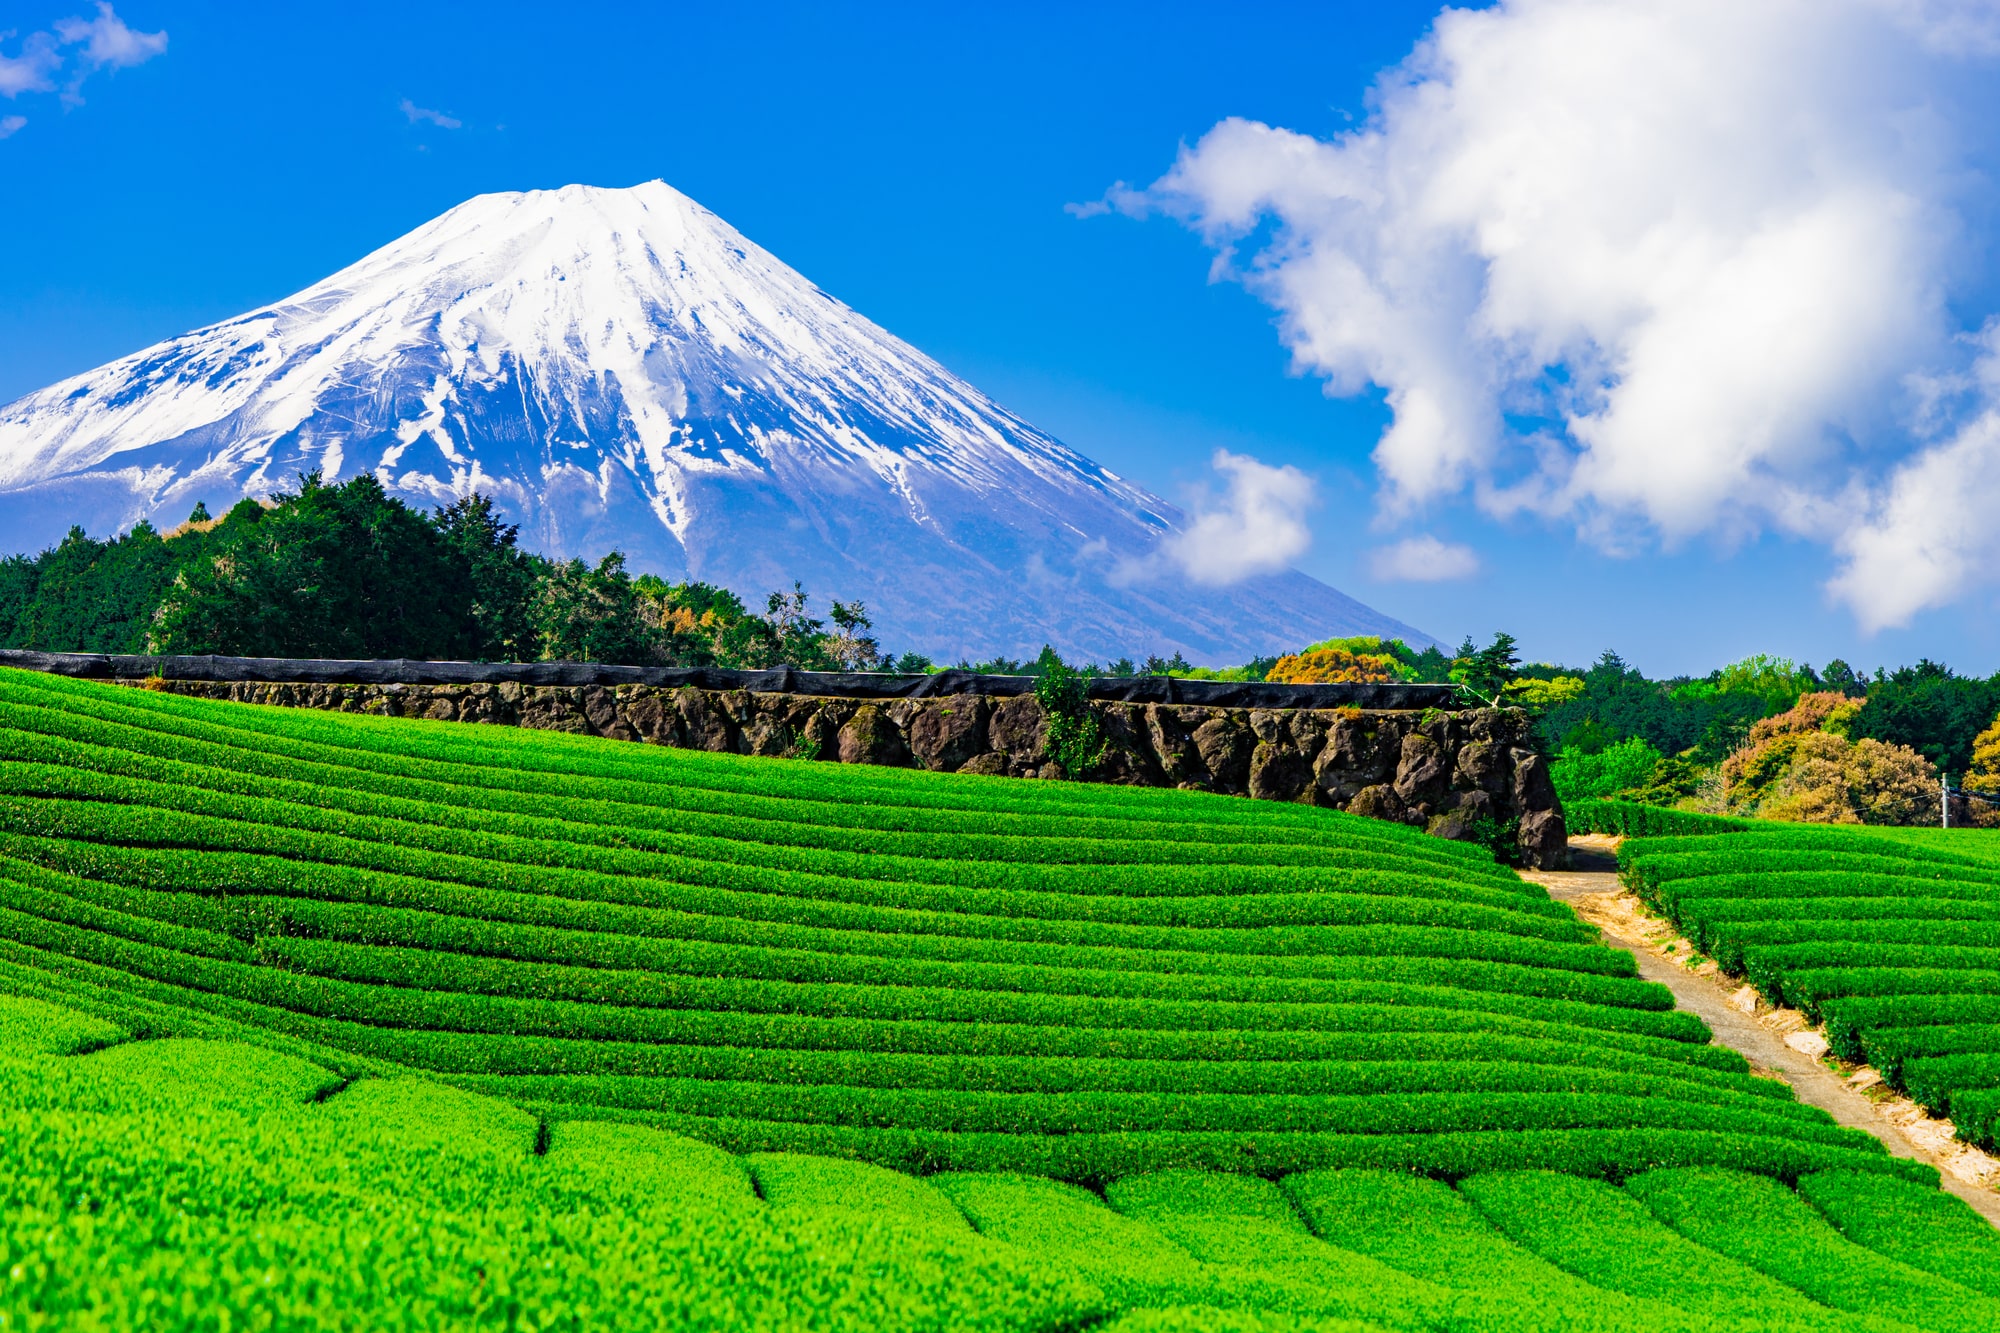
pixel 622 368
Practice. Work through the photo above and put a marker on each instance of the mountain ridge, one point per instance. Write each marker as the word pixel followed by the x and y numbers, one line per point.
pixel 622 368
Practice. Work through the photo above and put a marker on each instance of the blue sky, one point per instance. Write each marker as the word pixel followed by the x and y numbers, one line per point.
pixel 915 161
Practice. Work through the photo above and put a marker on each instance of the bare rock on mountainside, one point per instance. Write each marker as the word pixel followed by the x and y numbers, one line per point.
pixel 623 369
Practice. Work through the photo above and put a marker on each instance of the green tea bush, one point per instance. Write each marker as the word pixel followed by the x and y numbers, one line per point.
pixel 1891 938
pixel 1923 1228
pixel 195 1184
pixel 1761 1223
pixel 1609 1239
pixel 1238 1222
pixel 924 971
pixel 1629 819
pixel 166 1207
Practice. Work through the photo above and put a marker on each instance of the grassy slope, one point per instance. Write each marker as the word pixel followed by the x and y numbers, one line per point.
pixel 183 1184
pixel 791 964
pixel 921 970
pixel 1891 937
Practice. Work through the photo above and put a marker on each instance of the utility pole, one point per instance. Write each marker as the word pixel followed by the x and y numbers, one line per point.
pixel 1944 800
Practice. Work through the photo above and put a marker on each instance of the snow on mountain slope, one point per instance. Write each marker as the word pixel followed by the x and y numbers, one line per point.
pixel 622 368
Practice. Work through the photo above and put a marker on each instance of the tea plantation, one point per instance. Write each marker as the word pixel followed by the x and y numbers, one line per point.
pixel 314 1020
pixel 1889 936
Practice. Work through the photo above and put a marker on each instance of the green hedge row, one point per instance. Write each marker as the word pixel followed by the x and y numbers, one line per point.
pixel 1768 966
pixel 1097 1159
pixel 1850 1019
pixel 36 734
pixel 1925 1229
pixel 628 987
pixel 1608 1238
pixel 977 1112
pixel 723 889
pixel 1413 955
pixel 1803 887
pixel 183 789
pixel 1651 863
pixel 1428 1229
pixel 1937 1082
pixel 132 1209
pixel 813 954
pixel 1891 1050
pixel 57 767
pixel 614 936
pixel 371 1023
pixel 1975 1107
pixel 1329 980
pixel 1726 941
pixel 587 1023
pixel 1704 918
pixel 255 823
pixel 1631 819
pixel 1892 941
pixel 1808 989
pixel 1763 1224
pixel 801 923
pixel 1665 880
pixel 551 764
pixel 1453 1063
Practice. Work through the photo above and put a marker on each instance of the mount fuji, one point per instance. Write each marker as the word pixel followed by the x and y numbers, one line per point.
pixel 620 368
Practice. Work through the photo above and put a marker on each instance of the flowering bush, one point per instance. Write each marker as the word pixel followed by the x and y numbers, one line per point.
pixel 1800 765
pixel 1984 776
pixel 1334 666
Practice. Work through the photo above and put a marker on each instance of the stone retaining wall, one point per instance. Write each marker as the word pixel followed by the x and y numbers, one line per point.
pixel 1444 772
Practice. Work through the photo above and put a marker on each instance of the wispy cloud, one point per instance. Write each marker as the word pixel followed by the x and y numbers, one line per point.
pixel 1423 560
pixel 106 41
pixel 32 71
pixel 424 115
pixel 1097 208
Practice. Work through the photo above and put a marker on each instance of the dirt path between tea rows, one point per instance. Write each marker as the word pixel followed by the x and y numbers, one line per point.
pixel 1593 890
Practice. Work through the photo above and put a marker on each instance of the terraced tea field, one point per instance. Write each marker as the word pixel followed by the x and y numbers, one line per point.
pixel 1888 937
pixel 322 1020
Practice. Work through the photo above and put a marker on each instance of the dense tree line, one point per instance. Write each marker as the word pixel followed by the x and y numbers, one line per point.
pixel 1927 707
pixel 348 571
pixel 1768 737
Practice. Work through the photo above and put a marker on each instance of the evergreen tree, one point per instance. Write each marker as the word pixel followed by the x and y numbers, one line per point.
pixel 581 614
pixel 88 596
pixel 1486 671
pixel 1931 709
pixel 341 571
pixel 502 577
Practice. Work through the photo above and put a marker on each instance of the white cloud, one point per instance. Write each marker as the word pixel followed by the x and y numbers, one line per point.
pixel 418 114
pixel 1931 536
pixel 1423 560
pixel 1257 526
pixel 33 71
pixel 107 42
pixel 12 125
pixel 1707 249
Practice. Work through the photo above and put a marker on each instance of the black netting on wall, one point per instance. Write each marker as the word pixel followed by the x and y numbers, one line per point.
pixel 782 680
